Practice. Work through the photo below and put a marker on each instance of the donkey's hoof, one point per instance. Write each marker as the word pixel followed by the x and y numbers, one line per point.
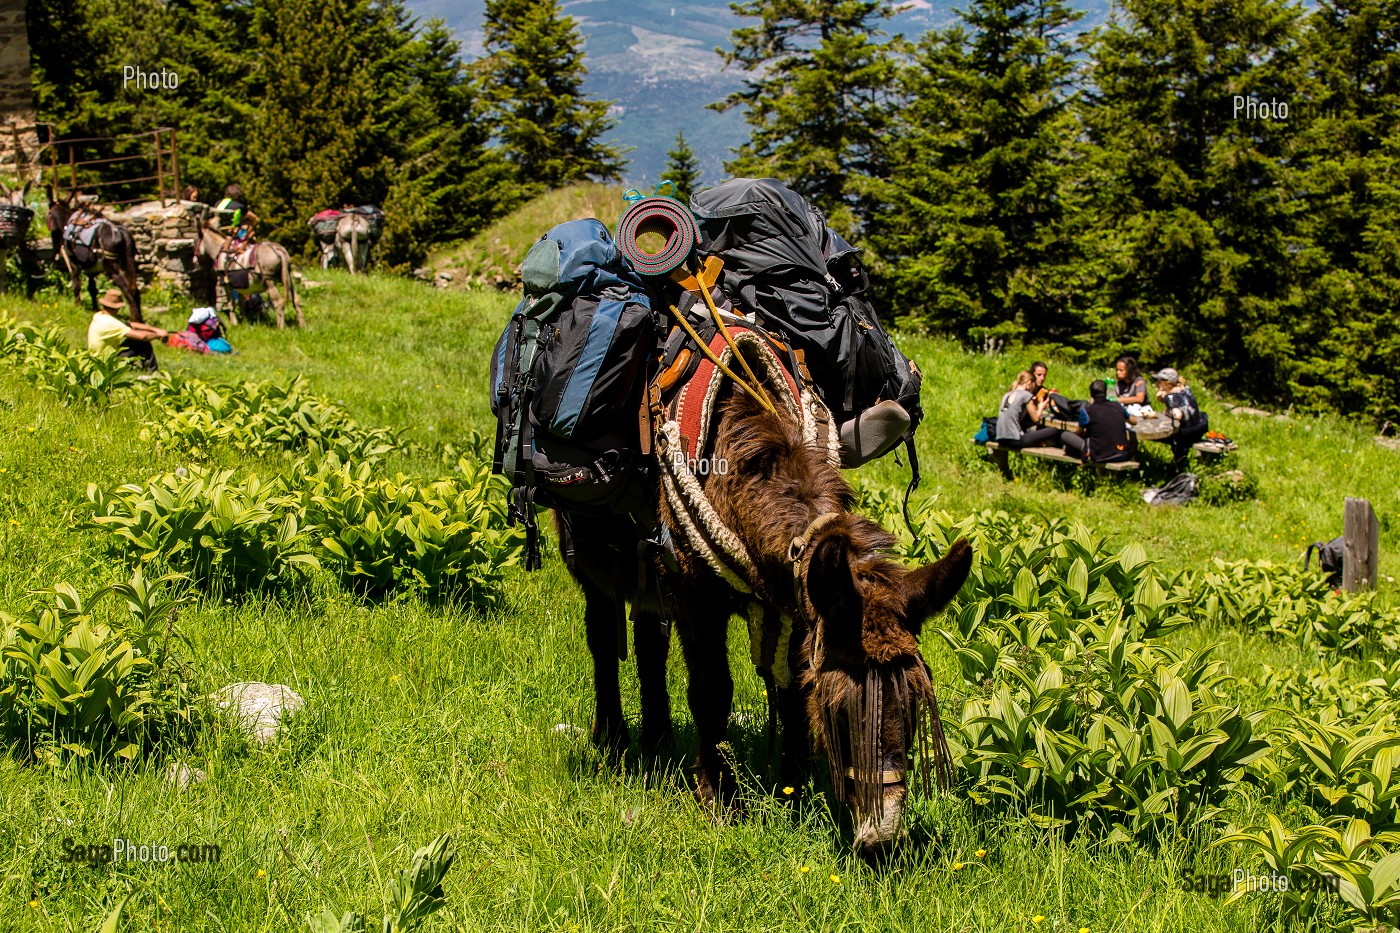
pixel 610 738
pixel 654 740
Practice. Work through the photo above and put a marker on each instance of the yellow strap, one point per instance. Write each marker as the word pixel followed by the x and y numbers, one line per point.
pixel 710 355
pixel 705 284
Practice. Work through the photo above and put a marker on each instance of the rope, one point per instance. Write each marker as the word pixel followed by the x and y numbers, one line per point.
pixel 667 217
pixel 699 521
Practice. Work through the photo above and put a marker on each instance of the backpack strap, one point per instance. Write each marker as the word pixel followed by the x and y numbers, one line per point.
pixel 914 478
pixel 522 510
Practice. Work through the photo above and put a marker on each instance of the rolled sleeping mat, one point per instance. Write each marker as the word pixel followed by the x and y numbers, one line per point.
pixel 661 215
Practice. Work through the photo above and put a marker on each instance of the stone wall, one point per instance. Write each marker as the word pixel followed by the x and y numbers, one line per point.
pixel 16 84
pixel 165 235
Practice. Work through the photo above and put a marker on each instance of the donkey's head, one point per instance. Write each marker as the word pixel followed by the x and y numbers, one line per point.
pixel 60 209
pixel 871 702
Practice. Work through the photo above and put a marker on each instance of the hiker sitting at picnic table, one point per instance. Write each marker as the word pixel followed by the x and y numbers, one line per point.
pixel 1052 403
pixel 1130 386
pixel 1190 423
pixel 131 340
pixel 1103 429
pixel 1019 412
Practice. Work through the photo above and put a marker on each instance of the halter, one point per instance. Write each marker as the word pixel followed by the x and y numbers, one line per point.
pixel 797 550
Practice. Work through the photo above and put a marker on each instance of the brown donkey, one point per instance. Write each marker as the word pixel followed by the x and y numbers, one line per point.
pixel 111 250
pixel 861 690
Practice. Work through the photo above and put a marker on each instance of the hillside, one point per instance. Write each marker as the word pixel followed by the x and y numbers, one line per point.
pixel 493 255
pixel 428 716
pixel 656 59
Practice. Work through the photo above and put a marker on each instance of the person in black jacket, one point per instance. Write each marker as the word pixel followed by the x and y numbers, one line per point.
pixel 1103 429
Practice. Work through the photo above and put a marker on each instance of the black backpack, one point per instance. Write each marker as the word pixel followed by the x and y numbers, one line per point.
pixel 567 380
pixel 806 283
pixel 1329 558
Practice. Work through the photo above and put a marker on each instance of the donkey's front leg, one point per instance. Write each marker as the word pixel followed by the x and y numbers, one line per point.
pixel 710 692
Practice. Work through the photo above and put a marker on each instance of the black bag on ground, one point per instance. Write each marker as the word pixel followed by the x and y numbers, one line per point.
pixel 1179 490
pixel 1329 558
pixel 806 283
pixel 567 379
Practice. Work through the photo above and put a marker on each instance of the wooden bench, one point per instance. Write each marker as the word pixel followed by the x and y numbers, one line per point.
pixel 1208 451
pixel 1056 454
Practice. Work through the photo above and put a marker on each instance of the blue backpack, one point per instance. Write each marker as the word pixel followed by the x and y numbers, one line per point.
pixel 568 379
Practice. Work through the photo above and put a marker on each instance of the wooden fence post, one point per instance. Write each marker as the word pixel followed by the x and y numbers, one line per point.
pixel 1361 532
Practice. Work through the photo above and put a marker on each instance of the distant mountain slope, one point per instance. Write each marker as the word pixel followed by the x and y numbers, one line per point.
pixel 656 59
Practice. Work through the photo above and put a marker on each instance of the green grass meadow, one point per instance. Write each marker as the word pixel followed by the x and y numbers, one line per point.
pixel 424 718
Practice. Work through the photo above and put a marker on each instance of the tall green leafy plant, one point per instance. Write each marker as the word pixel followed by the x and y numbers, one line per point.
pixel 71 685
pixel 223 534
pixel 446 538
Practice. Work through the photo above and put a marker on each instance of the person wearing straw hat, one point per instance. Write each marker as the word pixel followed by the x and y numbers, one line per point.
pixel 129 339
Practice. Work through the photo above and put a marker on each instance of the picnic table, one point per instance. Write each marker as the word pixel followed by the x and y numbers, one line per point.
pixel 1148 428
pixel 1000 457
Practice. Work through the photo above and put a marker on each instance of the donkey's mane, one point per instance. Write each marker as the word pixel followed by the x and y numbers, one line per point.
pixel 777 484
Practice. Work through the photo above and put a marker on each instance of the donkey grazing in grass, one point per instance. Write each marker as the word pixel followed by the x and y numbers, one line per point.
pixel 860 689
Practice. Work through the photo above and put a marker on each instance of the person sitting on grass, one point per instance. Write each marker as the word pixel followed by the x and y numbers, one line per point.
pixel 1189 422
pixel 1103 429
pixel 1131 386
pixel 1018 414
pixel 131 340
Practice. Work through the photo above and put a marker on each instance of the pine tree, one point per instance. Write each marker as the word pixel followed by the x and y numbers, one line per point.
pixel 1348 345
pixel 533 77
pixel 972 236
pixel 1194 204
pixel 816 99
pixel 311 144
pixel 682 168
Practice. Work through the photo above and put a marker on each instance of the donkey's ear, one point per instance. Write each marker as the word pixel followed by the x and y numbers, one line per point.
pixel 933 586
pixel 831 585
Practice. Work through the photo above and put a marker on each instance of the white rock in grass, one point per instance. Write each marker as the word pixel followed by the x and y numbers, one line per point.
pixel 259 708
pixel 567 728
pixel 180 776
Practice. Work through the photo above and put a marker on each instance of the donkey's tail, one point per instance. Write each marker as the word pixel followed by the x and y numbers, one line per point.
pixel 289 287
pixel 132 275
pixel 354 247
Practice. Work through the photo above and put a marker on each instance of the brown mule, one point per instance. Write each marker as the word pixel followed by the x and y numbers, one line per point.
pixel 113 252
pixel 861 691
